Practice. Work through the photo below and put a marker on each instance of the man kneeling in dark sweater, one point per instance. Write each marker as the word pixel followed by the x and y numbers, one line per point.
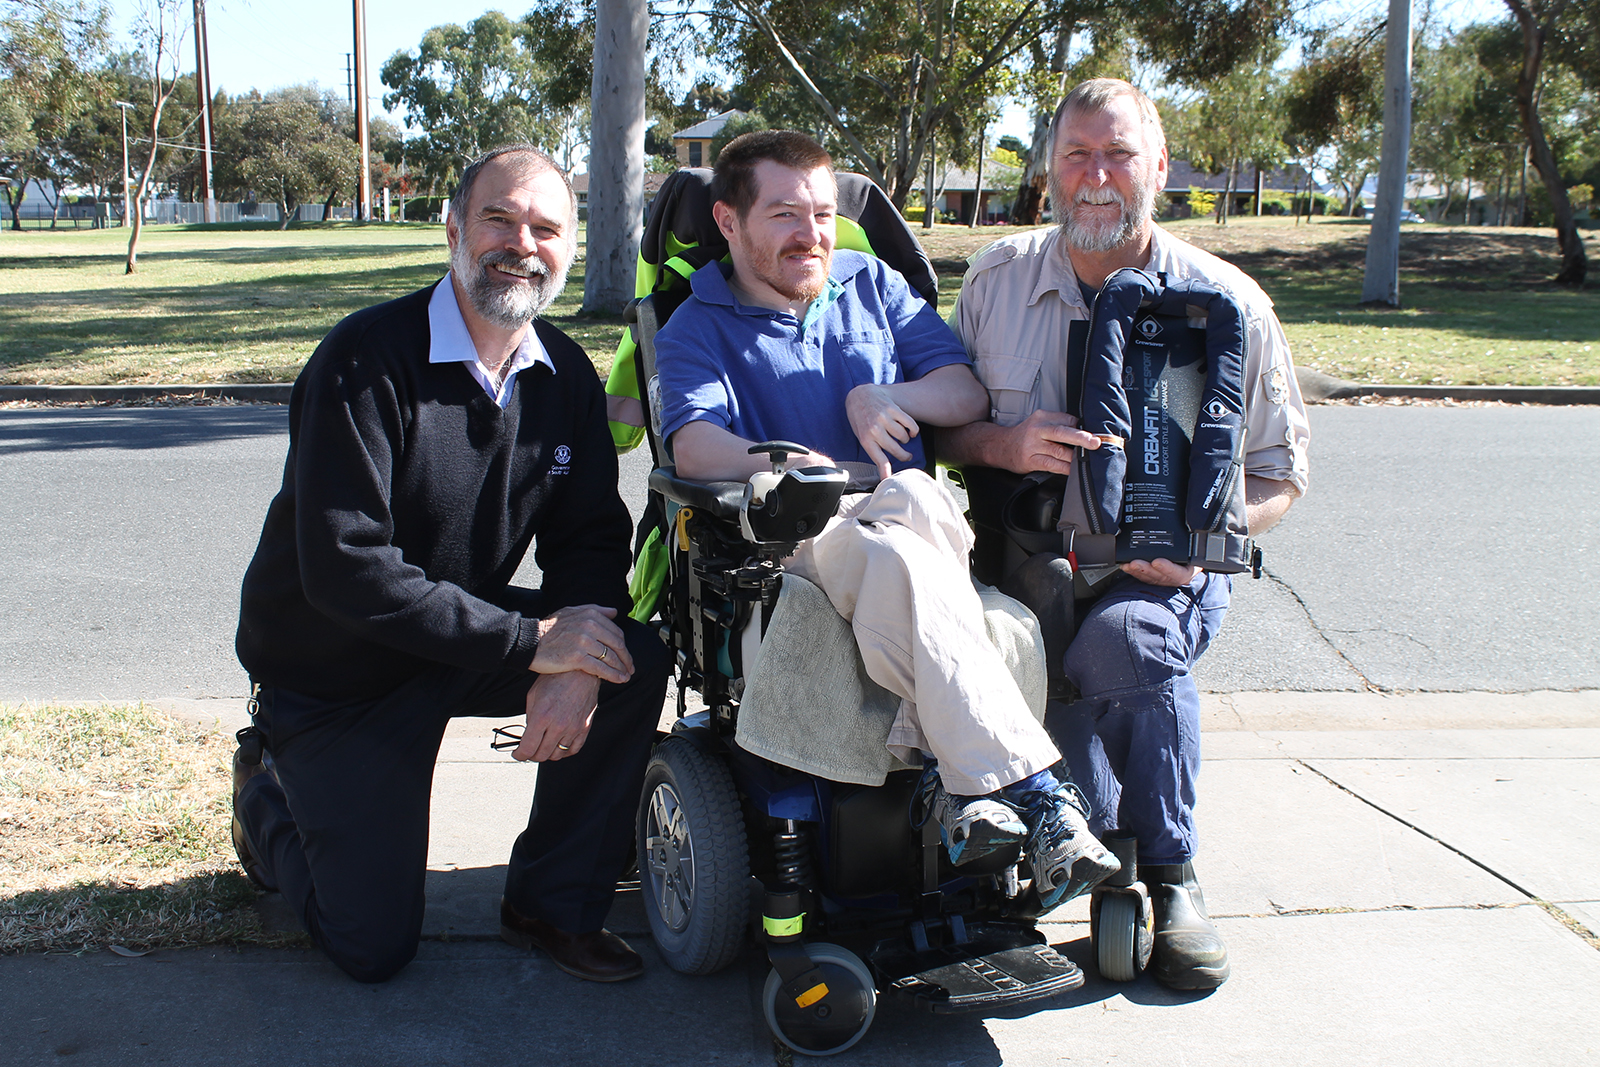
pixel 431 440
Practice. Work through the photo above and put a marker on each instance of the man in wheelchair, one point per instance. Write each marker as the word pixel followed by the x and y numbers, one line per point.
pixel 795 342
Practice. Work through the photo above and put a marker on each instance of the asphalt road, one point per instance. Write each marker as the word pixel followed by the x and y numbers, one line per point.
pixel 1451 549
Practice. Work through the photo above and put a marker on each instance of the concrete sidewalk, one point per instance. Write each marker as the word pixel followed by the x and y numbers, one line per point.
pixel 1416 893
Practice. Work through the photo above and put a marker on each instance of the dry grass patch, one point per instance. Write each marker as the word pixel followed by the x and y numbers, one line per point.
pixel 114 832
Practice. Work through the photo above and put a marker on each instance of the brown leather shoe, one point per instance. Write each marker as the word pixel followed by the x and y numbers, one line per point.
pixel 599 956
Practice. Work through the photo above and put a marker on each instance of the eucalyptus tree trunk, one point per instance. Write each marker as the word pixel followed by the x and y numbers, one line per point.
pixel 1382 282
pixel 616 154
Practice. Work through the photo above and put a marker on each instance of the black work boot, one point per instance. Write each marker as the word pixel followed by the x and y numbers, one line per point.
pixel 249 760
pixel 1189 952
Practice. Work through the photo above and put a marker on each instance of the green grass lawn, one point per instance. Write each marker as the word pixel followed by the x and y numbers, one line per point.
pixel 249 305
pixel 214 305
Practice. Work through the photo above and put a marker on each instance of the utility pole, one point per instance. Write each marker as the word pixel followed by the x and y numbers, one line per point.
pixel 364 169
pixel 202 84
pixel 123 105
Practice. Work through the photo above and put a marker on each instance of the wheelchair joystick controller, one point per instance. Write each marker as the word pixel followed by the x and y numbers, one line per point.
pixel 788 506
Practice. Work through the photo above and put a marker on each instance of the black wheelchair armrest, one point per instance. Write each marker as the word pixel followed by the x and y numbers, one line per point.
pixel 722 500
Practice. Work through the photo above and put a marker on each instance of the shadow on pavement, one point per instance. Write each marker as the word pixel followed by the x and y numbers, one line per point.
pixel 80 429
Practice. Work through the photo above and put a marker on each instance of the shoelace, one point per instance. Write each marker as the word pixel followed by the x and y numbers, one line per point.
pixel 1035 802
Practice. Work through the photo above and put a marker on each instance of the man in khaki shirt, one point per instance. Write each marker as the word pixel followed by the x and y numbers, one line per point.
pixel 1133 739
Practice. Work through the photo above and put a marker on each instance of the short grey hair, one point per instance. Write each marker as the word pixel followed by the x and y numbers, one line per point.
pixel 541 160
pixel 1098 94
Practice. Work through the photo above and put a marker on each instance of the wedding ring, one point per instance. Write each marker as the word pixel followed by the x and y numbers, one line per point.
pixel 564 748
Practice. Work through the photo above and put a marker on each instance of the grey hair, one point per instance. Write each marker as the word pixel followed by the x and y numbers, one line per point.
pixel 541 161
pixel 1098 94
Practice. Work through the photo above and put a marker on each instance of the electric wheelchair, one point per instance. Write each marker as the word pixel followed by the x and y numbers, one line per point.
pixel 847 885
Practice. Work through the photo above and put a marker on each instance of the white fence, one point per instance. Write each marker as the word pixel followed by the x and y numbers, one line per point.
pixel 37 215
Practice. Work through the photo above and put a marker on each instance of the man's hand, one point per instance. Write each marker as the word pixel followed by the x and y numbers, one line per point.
pixel 560 708
pixel 1161 572
pixel 880 424
pixel 583 638
pixel 1044 442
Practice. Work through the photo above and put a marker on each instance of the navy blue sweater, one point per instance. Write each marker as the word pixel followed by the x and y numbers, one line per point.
pixel 409 499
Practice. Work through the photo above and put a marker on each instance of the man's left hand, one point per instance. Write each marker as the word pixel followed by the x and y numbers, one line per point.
pixel 880 424
pixel 1161 572
pixel 560 708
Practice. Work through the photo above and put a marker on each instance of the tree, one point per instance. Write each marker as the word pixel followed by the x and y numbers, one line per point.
pixel 1238 119
pixel 1333 107
pixel 47 51
pixel 291 146
pixel 1381 284
pixel 161 30
pixel 882 79
pixel 468 89
pixel 616 162
pixel 1538 20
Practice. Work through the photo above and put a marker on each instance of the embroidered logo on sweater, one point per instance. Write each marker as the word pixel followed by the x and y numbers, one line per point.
pixel 563 458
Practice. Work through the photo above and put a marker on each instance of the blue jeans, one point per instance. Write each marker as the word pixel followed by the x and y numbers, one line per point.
pixel 1132 739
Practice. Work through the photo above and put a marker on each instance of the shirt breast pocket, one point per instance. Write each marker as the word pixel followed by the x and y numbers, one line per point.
pixel 868 356
pixel 1013 384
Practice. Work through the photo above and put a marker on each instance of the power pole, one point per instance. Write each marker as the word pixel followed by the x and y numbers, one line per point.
pixel 1382 282
pixel 123 106
pixel 202 85
pixel 364 168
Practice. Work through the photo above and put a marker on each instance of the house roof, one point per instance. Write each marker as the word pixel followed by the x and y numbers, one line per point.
pixel 704 131
pixel 997 178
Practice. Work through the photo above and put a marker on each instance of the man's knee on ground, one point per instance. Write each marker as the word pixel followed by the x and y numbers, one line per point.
pixel 1129 644
pixel 374 957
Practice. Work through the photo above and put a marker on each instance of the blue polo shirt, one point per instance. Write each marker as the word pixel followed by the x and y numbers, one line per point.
pixel 766 375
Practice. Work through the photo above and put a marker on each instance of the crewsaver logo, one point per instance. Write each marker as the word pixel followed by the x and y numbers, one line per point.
pixel 1148 328
pixel 1217 409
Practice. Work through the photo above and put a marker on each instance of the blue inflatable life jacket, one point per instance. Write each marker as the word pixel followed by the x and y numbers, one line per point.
pixel 1161 383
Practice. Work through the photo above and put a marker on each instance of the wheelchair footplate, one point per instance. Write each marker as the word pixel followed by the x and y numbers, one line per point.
pixel 997 965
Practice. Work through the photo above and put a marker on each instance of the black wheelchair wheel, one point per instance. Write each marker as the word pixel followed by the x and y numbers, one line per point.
pixel 694 867
pixel 830 1025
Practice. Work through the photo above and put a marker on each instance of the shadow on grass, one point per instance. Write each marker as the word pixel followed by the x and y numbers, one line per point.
pixel 284 253
pixel 74 430
pixel 204 909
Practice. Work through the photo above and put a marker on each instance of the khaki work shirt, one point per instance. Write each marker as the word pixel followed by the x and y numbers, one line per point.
pixel 1020 296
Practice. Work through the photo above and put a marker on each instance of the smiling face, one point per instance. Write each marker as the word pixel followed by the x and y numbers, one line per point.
pixel 511 246
pixel 1106 168
pixel 782 248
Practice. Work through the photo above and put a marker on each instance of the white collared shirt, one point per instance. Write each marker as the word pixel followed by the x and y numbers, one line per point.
pixel 449 342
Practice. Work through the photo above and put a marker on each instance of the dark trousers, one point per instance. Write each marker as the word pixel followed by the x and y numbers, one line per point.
pixel 343 830
pixel 1133 739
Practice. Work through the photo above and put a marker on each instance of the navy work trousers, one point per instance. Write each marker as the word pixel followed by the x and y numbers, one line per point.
pixel 1132 740
pixel 343 830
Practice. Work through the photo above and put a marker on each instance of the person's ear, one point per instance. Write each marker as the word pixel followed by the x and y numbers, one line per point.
pixel 726 218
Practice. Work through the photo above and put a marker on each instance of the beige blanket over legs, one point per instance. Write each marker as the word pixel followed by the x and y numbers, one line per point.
pixel 809 704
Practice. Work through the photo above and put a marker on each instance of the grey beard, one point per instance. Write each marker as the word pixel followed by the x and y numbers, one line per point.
pixel 508 306
pixel 1100 238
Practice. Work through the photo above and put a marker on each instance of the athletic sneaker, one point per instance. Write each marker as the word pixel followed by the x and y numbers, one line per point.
pixel 970 827
pixel 1066 860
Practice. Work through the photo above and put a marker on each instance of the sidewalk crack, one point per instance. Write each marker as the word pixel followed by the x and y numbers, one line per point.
pixel 1371 686
pixel 1555 911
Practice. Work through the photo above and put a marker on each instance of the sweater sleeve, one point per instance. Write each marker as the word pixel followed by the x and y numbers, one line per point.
pixel 352 433
pixel 583 541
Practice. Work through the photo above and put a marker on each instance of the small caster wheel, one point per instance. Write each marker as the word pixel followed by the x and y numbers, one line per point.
pixel 835 1022
pixel 1116 945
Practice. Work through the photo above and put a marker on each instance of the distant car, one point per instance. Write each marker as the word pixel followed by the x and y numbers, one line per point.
pixel 1411 216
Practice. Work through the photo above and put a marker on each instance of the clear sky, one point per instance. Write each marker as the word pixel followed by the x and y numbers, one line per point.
pixel 268 44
